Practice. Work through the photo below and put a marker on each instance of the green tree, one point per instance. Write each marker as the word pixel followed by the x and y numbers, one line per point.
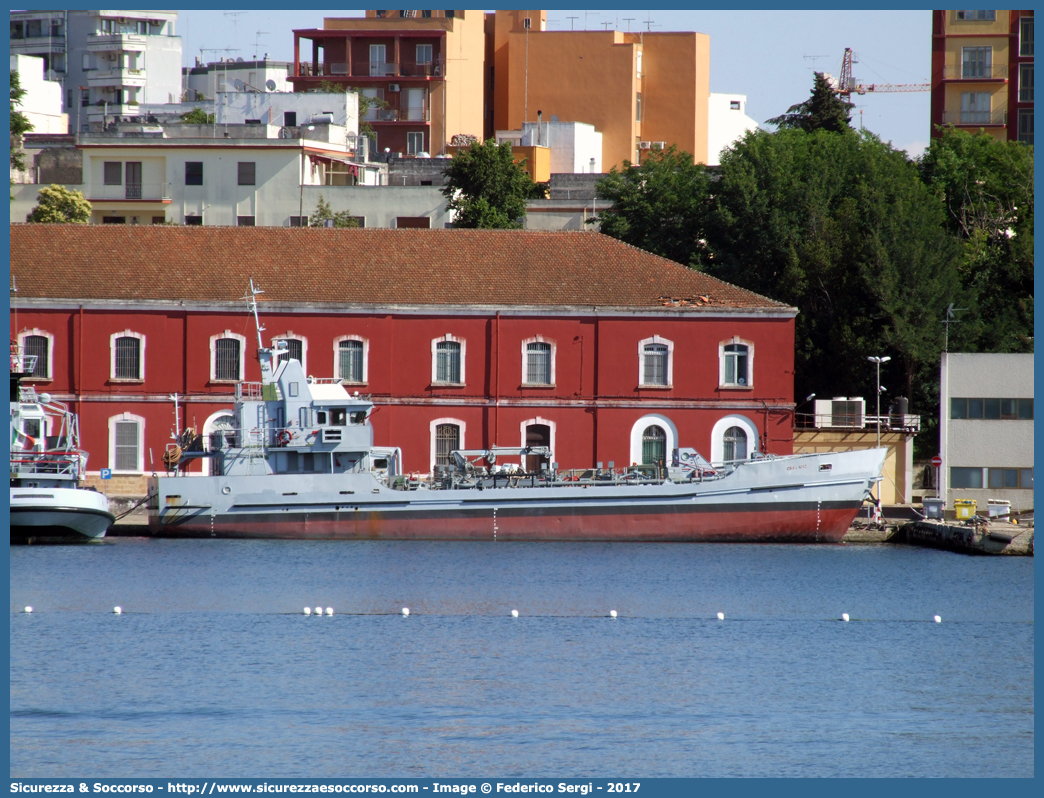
pixel 324 213
pixel 660 205
pixel 987 188
pixel 58 205
pixel 823 110
pixel 197 116
pixel 842 228
pixel 365 103
pixel 20 124
pixel 486 188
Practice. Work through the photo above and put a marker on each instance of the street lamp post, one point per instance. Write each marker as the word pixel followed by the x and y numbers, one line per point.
pixel 878 361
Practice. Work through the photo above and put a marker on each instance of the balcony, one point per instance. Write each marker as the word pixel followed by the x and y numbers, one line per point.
pixel 371 69
pixel 973 72
pixel 399 113
pixel 116 78
pixel 979 118
pixel 115 42
pixel 136 192
pixel 95 112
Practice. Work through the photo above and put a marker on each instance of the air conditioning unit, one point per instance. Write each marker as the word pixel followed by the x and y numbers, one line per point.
pixel 645 145
pixel 393 87
pixel 659 145
pixel 841 412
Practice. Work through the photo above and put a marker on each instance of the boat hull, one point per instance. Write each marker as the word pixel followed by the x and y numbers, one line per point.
pixel 58 515
pixel 778 500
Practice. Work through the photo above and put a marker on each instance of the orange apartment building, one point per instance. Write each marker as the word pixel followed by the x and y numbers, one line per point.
pixel 640 90
pixel 982 72
pixel 443 73
pixel 426 68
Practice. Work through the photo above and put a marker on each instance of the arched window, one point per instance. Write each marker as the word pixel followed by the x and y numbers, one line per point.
pixel 296 348
pixel 654 446
pixel 735 444
pixel 655 362
pixel 38 345
pixel 126 443
pixel 350 360
pixel 226 357
pixel 447 365
pixel 447 438
pixel 127 351
pixel 736 363
pixel 538 363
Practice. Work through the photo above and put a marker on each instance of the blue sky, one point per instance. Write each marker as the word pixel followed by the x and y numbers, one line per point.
pixel 767 55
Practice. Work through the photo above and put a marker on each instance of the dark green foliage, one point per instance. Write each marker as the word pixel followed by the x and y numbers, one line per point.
pixel 824 110
pixel 987 188
pixel 486 188
pixel 842 228
pixel 324 213
pixel 660 205
pixel 60 205
pixel 197 116
pixel 19 123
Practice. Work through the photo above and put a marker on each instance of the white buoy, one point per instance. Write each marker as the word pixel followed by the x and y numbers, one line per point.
pixel 612 613
pixel 938 619
pixel 844 617
pixel 307 610
pixel 117 610
pixel 721 616
pixel 318 610
pixel 514 613
pixel 329 610
pixel 28 609
pixel 405 611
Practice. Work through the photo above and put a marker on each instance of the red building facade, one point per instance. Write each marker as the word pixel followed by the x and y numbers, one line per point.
pixel 463 338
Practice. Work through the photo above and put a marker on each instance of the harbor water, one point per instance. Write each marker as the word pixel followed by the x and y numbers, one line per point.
pixel 213 670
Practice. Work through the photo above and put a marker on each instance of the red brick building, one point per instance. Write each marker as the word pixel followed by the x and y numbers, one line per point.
pixel 463 338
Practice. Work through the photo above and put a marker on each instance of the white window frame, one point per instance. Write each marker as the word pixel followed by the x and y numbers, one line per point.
pixel 448 338
pixel 140 465
pixel 433 430
pixel 365 356
pixel 722 425
pixel 213 355
pixel 209 464
pixel 653 420
pixel 141 356
pixel 735 386
pixel 539 420
pixel 411 149
pixel 50 352
pixel 538 339
pixel 656 339
pixel 289 335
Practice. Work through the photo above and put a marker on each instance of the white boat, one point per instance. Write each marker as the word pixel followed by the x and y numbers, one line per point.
pixel 48 501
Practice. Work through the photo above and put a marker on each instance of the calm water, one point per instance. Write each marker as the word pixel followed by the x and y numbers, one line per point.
pixel 212 670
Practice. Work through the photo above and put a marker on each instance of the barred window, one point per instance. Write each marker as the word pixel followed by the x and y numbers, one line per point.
pixel 128 359
pixel 655 370
pixel 654 446
pixel 126 446
pixel 38 346
pixel 226 359
pixel 447 355
pixel 538 364
pixel 350 361
pixel 447 438
pixel 735 444
pixel 294 349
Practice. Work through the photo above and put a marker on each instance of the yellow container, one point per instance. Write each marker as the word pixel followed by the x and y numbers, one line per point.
pixel 965 508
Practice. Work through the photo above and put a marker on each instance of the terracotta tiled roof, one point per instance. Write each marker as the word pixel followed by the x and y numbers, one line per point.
pixel 368 266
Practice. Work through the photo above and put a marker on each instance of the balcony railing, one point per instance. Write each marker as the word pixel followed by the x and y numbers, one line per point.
pixel 395 113
pixel 975 117
pixel 371 69
pixel 855 422
pixel 976 72
pixel 146 192
pixel 117 77
pixel 105 42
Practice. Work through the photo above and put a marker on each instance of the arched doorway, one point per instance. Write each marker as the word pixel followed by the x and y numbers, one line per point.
pixel 219 433
pixel 734 444
pixel 654 446
pixel 537 435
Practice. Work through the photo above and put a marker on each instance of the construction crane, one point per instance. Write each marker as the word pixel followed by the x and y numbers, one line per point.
pixel 847 86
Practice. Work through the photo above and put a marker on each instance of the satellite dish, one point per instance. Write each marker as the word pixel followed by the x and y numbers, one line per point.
pixel 240 85
pixel 554 117
pixel 270 85
pixel 240 58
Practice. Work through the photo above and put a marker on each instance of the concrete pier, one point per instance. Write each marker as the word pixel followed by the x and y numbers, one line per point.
pixel 996 537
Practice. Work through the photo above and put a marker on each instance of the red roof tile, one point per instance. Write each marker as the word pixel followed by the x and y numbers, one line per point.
pixel 346 266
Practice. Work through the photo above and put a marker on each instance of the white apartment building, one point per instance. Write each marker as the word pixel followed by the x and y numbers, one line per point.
pixel 574 147
pixel 42 103
pixel 206 81
pixel 727 122
pixel 986 428
pixel 244 175
pixel 108 62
